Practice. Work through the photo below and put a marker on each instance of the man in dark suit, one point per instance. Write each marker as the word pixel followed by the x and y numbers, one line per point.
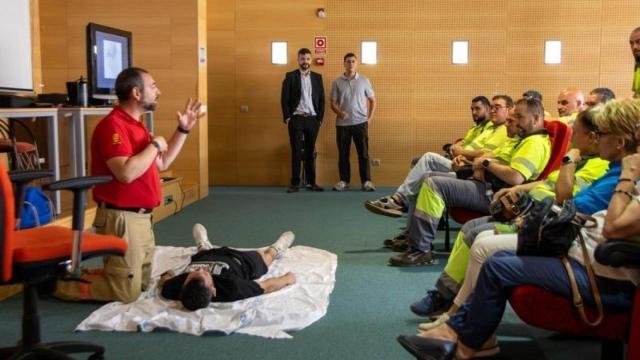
pixel 302 103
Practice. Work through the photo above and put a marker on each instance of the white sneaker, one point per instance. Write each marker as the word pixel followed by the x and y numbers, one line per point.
pixel 283 243
pixel 368 186
pixel 340 186
pixel 200 237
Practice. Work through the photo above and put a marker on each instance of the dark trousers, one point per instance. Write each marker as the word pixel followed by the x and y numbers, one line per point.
pixel 303 127
pixel 360 135
pixel 480 315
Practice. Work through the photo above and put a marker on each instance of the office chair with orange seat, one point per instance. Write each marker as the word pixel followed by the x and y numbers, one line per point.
pixel 38 255
pixel 541 308
pixel 560 137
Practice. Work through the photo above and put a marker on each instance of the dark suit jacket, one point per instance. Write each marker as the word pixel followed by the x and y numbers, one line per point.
pixel 291 94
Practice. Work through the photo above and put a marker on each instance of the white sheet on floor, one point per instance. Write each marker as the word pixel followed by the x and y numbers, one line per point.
pixel 272 315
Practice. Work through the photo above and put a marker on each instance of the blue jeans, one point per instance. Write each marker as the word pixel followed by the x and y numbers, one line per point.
pixel 480 315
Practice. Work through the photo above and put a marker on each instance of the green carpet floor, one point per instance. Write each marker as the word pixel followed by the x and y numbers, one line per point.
pixel 368 309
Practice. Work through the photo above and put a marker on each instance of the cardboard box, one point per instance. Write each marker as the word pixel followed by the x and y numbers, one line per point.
pixel 172 198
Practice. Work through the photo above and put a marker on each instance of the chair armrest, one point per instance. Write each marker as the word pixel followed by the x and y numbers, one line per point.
pixel 79 187
pixel 77 183
pixel 20 178
pixel 617 253
pixel 26 176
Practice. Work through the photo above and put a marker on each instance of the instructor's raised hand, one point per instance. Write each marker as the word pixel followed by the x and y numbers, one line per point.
pixel 189 116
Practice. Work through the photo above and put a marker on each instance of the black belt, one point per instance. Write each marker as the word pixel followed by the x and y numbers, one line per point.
pixel 304 115
pixel 135 210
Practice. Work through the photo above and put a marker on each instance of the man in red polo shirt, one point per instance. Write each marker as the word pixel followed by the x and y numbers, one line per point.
pixel 123 148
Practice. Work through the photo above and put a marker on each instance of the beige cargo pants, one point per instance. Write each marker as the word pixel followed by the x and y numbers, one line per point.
pixel 122 278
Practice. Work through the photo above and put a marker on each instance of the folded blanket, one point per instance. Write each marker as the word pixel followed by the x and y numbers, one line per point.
pixel 271 315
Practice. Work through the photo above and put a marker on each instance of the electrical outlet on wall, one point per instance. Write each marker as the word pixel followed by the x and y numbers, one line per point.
pixel 244 108
pixel 375 162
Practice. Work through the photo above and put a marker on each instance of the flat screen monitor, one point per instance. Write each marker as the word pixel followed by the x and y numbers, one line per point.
pixel 108 53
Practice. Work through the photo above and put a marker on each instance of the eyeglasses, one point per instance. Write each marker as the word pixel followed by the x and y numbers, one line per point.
pixel 600 133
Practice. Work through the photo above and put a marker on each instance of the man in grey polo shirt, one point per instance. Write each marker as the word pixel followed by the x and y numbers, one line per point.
pixel 352 99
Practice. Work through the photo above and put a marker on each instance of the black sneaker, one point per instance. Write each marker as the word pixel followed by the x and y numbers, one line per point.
pixel 388 243
pixel 432 304
pixel 400 245
pixel 412 258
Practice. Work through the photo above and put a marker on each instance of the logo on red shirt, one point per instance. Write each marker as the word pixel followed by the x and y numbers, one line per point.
pixel 115 139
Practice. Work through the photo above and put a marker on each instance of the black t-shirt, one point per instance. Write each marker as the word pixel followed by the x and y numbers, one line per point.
pixel 233 272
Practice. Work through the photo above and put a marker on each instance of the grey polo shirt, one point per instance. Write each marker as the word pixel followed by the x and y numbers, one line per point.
pixel 351 96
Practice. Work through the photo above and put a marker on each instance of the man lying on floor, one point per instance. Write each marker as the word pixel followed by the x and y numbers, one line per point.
pixel 224 274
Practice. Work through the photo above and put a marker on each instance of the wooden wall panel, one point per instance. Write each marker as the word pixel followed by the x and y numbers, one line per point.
pixel 222 99
pixel 363 15
pixel 423 99
pixel 262 141
pixel 624 13
pixel 36 48
pixel 203 93
pixel 619 82
pixel 257 90
pixel 580 54
pixel 223 163
pixel 54 43
pixel 487 49
pixel 221 15
pixel 278 14
pixel 554 13
pixel 456 15
pixel 166 38
pixel 615 40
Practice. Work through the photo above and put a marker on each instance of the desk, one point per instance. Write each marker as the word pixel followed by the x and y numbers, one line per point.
pixel 52 132
pixel 78 116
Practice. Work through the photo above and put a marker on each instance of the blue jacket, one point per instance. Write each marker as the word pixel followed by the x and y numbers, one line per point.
pixel 596 197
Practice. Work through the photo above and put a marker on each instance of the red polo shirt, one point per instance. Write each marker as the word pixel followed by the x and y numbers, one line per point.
pixel 119 134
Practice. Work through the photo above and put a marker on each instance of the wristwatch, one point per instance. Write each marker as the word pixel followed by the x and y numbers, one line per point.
pixel 567 160
pixel 182 130
pixel 485 163
pixel 155 143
